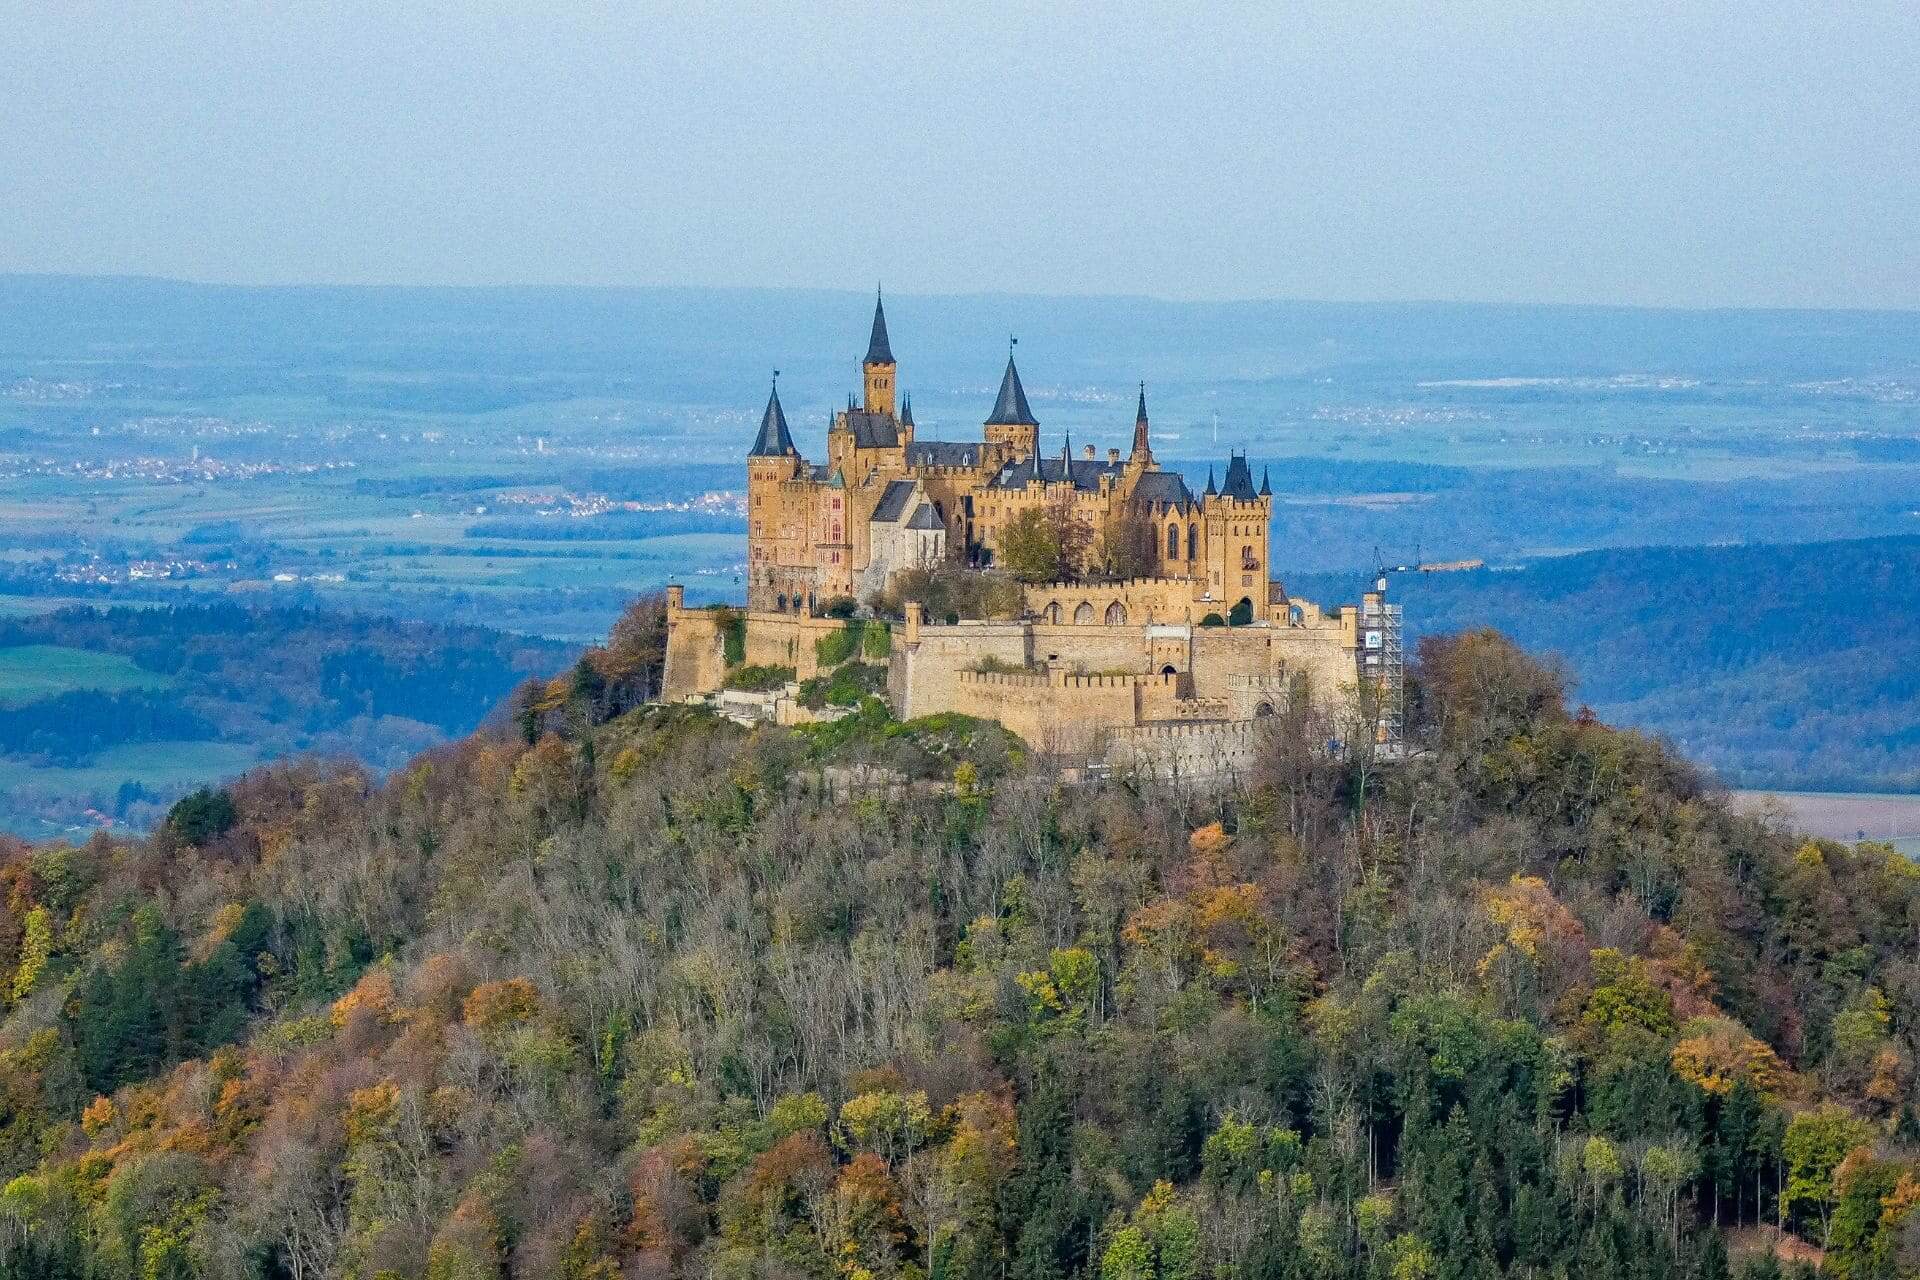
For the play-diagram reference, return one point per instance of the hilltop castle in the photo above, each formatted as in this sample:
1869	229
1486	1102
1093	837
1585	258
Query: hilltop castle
1199	637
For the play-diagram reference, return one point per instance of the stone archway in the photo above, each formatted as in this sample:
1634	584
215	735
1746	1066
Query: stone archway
1116	614
1083	615
1168	670
1263	710
1053	613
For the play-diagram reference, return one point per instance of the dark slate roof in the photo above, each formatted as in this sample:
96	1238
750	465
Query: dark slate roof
1163	486
1211	487
873	430
923	518
878	350
774	441
1010	409
1239	485
942	453
1266	486
906	412
893	501
1084	472
820	471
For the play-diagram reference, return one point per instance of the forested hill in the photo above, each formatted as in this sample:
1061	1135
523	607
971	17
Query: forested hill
639	993
1777	666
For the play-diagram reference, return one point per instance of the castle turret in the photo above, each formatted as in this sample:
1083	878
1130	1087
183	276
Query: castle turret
1142	455
774	440
878	366
1012	422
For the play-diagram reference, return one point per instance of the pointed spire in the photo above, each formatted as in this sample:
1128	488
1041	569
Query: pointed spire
878	349
1141	449
906	412
774	441
1211	489
1266	489
1010	409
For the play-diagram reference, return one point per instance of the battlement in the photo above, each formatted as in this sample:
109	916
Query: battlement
1198	731
1063	679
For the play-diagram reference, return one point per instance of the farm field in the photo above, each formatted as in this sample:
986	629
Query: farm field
158	767
31	672
1846	815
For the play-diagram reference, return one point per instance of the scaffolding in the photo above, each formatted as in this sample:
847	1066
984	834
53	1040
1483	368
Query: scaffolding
1383	662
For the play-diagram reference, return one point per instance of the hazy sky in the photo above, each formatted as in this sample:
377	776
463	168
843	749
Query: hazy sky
1696	154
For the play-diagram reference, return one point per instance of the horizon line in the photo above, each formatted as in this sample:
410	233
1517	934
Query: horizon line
8	275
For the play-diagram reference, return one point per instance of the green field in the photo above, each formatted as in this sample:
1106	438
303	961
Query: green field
31	672
161	767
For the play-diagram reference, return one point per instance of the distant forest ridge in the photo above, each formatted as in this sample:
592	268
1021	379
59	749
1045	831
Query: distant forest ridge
1790	666
689	343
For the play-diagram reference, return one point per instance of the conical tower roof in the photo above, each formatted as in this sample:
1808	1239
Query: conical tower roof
774	441
1010	409
906	412
879	351
1212	488
1266	487
1140	446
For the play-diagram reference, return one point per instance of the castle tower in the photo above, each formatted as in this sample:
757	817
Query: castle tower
1239	528
1012	422
771	463
1142	455
878	365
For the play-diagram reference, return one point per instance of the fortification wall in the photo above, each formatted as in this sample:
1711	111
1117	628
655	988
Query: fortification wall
696	645
1220	750
696	659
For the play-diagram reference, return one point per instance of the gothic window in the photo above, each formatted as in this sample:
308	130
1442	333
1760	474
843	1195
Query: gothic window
1246	558
1116	614
1193	542
1053	613
780	602
1083	616
1173	542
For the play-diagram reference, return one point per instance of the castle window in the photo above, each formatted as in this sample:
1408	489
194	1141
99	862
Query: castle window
780	602
1083	616
1173	542
1116	614
1193	541
1053	613
1247	560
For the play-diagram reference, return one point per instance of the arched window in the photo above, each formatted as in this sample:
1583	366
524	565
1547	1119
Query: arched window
1116	614
1263	710
1193	542
1168	670
1083	616
1173	542
1053	613
780	602
1246	558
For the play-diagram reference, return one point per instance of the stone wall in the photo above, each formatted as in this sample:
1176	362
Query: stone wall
1222	750
696	653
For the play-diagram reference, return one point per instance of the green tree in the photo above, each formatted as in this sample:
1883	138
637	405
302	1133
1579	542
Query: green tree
1816	1142
1029	549
204	815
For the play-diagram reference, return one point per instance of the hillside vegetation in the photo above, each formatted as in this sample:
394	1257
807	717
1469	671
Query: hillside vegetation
634	992
1776	666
